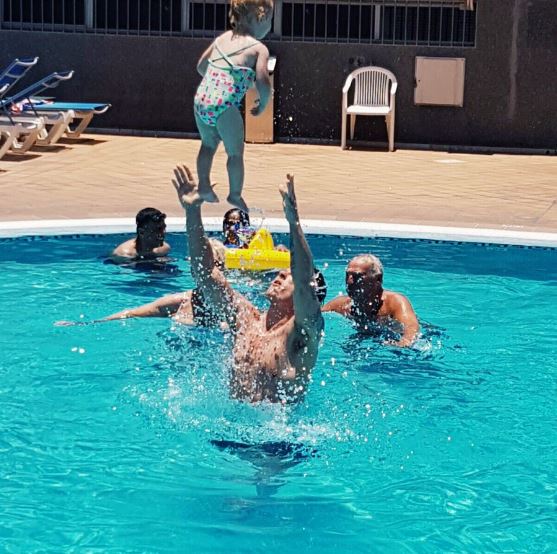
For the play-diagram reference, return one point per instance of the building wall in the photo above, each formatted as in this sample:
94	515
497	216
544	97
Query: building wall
510	95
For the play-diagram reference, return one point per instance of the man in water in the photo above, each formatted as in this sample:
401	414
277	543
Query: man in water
372	308
187	308
149	242
273	351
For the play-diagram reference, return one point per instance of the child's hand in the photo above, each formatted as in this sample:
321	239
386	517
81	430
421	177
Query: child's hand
257	109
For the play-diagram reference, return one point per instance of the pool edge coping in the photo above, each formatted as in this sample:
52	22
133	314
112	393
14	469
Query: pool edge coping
49	227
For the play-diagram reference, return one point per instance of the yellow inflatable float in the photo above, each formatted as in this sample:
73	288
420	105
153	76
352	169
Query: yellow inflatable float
260	255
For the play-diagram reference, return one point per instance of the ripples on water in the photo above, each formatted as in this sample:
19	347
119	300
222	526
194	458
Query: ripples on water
122	436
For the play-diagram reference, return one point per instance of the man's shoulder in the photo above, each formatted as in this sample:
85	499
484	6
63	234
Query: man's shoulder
162	250
125	250
394	300
340	304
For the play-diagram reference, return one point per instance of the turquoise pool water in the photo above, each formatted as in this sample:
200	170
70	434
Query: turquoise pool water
120	437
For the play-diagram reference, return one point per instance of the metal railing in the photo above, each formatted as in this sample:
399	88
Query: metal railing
395	22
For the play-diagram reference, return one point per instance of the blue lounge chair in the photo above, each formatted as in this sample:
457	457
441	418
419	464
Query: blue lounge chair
55	124
14	72
17	136
83	111
52	81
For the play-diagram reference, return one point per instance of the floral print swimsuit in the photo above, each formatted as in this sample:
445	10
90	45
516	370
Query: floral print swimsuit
222	87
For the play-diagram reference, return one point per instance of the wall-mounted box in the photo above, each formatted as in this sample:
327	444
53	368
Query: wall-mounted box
439	81
260	129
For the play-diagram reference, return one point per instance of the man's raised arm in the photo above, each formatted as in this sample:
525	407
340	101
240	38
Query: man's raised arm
307	309
208	278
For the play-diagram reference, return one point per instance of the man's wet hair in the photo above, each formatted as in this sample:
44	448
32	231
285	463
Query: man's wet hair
147	215
320	285
375	266
244	218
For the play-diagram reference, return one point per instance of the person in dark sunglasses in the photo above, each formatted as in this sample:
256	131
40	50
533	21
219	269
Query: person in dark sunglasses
373	309
238	232
235	222
149	243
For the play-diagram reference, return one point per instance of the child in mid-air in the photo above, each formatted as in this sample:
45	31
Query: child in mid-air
232	64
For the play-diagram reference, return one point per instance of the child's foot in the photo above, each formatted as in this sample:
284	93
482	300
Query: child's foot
238	202
207	194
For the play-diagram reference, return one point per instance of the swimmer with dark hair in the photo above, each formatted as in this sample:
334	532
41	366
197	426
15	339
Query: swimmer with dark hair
149	243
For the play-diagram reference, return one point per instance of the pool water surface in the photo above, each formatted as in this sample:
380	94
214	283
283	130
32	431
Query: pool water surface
121	436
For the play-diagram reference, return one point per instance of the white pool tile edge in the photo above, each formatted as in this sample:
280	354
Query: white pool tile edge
48	227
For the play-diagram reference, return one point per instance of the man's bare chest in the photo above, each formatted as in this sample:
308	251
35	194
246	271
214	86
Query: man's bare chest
263	350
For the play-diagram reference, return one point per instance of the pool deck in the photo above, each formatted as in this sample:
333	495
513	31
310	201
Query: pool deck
102	176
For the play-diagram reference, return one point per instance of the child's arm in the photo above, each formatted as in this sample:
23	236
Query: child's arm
204	61
262	80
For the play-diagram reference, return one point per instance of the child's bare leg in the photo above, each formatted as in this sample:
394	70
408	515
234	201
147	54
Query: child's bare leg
231	129
209	143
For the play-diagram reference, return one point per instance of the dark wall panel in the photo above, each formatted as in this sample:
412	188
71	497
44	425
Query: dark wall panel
510	86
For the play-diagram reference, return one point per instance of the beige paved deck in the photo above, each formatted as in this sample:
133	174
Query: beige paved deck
115	176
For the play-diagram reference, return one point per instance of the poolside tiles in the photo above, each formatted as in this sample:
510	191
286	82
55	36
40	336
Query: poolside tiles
115	176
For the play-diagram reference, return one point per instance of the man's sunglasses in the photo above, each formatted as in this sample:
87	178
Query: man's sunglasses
236	225
356	275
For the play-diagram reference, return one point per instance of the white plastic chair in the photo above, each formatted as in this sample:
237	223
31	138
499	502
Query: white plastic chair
374	94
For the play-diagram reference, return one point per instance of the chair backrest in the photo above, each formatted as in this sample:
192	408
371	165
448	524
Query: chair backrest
372	86
53	80
14	72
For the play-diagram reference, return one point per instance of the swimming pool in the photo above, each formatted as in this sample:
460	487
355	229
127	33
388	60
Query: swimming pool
121	437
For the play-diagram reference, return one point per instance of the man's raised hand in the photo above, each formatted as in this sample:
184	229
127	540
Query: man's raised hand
289	199
186	187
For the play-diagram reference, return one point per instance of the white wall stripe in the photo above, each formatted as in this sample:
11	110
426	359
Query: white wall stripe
311	226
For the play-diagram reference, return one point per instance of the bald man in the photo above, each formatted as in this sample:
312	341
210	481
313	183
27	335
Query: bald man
372	308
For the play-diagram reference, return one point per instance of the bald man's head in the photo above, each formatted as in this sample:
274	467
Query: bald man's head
364	276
